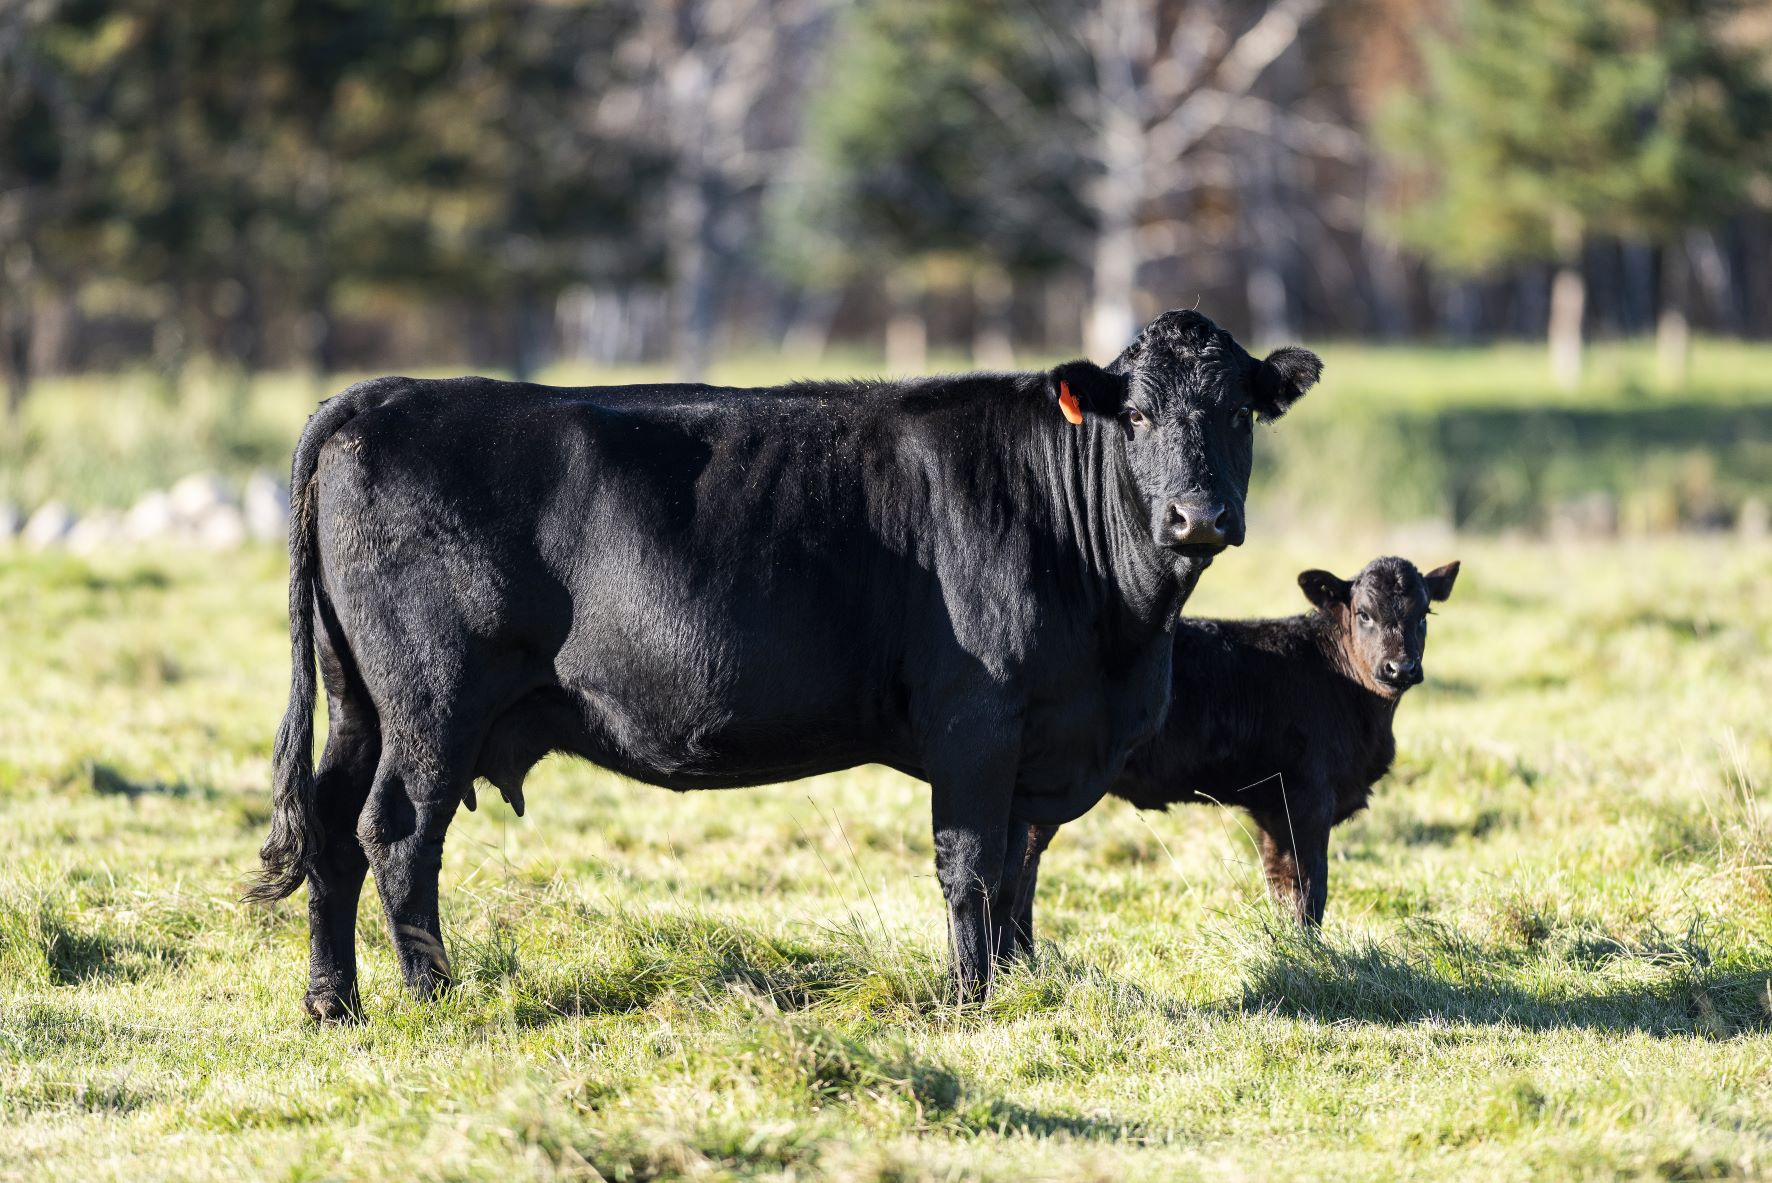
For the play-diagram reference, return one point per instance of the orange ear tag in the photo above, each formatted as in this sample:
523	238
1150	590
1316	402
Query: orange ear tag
1067	402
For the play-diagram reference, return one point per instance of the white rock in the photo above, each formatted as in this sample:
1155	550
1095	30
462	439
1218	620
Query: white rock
1755	519
48	526
222	528
194	496
150	519
96	531
10	521
266	504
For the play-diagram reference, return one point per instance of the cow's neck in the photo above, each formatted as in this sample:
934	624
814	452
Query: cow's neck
1145	584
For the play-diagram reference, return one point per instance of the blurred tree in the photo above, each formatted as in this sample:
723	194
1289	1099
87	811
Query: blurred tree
915	173
519	173
40	166
726	82
1544	121
1154	79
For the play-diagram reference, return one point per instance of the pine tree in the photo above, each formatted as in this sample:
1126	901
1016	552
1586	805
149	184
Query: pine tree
1545	121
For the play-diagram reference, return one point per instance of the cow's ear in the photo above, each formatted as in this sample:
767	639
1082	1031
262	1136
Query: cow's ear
1081	388
1325	590
1283	377
1440	580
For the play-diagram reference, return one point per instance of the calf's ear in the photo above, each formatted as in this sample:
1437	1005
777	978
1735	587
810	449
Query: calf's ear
1083	388
1324	589
1440	580
1283	377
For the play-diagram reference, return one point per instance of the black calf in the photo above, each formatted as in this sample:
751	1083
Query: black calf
1290	719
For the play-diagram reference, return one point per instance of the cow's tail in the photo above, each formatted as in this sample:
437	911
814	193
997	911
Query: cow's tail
294	842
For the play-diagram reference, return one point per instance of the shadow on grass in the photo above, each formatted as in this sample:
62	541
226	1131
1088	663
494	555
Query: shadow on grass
644	957
1456	981
108	781
37	937
1504	465
853	976
1663	463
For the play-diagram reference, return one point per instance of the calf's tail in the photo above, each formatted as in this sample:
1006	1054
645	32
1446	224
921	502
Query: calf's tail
295	837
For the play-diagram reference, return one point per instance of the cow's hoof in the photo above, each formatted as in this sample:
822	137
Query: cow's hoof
329	1006
429	983
424	964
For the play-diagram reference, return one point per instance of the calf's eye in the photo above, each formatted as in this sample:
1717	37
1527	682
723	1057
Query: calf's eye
1137	418
1362	617
1243	418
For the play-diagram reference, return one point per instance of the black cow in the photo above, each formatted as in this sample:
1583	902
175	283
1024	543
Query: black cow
971	579
1290	719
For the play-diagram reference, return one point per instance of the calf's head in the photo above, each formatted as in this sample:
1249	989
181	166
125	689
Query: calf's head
1182	401
1380	618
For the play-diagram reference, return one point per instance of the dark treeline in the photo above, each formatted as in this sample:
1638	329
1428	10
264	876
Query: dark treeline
353	184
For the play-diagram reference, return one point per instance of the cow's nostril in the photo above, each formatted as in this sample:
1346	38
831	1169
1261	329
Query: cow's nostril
1198	523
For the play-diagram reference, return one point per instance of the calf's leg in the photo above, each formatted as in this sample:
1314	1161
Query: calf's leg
1021	921
1294	845
1005	946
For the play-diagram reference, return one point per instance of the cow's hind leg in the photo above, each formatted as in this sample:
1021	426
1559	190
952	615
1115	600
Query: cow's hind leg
416	791
335	880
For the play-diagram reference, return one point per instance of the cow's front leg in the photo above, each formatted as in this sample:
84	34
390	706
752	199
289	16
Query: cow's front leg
971	794
1294	843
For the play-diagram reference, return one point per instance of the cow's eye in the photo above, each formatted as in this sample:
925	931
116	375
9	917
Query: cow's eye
1243	417
1137	418
1363	618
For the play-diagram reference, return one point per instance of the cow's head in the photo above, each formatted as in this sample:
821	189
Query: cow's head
1184	398
1380	618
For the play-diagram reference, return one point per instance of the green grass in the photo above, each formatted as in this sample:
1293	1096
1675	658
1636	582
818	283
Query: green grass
1547	956
1475	437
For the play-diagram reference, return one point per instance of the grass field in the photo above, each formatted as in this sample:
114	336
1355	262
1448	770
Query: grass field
1548	953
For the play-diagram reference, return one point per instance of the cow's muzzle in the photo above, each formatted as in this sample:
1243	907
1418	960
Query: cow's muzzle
1200	525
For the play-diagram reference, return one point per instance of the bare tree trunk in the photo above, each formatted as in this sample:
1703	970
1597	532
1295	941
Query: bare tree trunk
907	329
993	295
1116	194
1266	238
694	295
16	320
1567	305
1673	332
529	331
319	330
16	270
808	333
